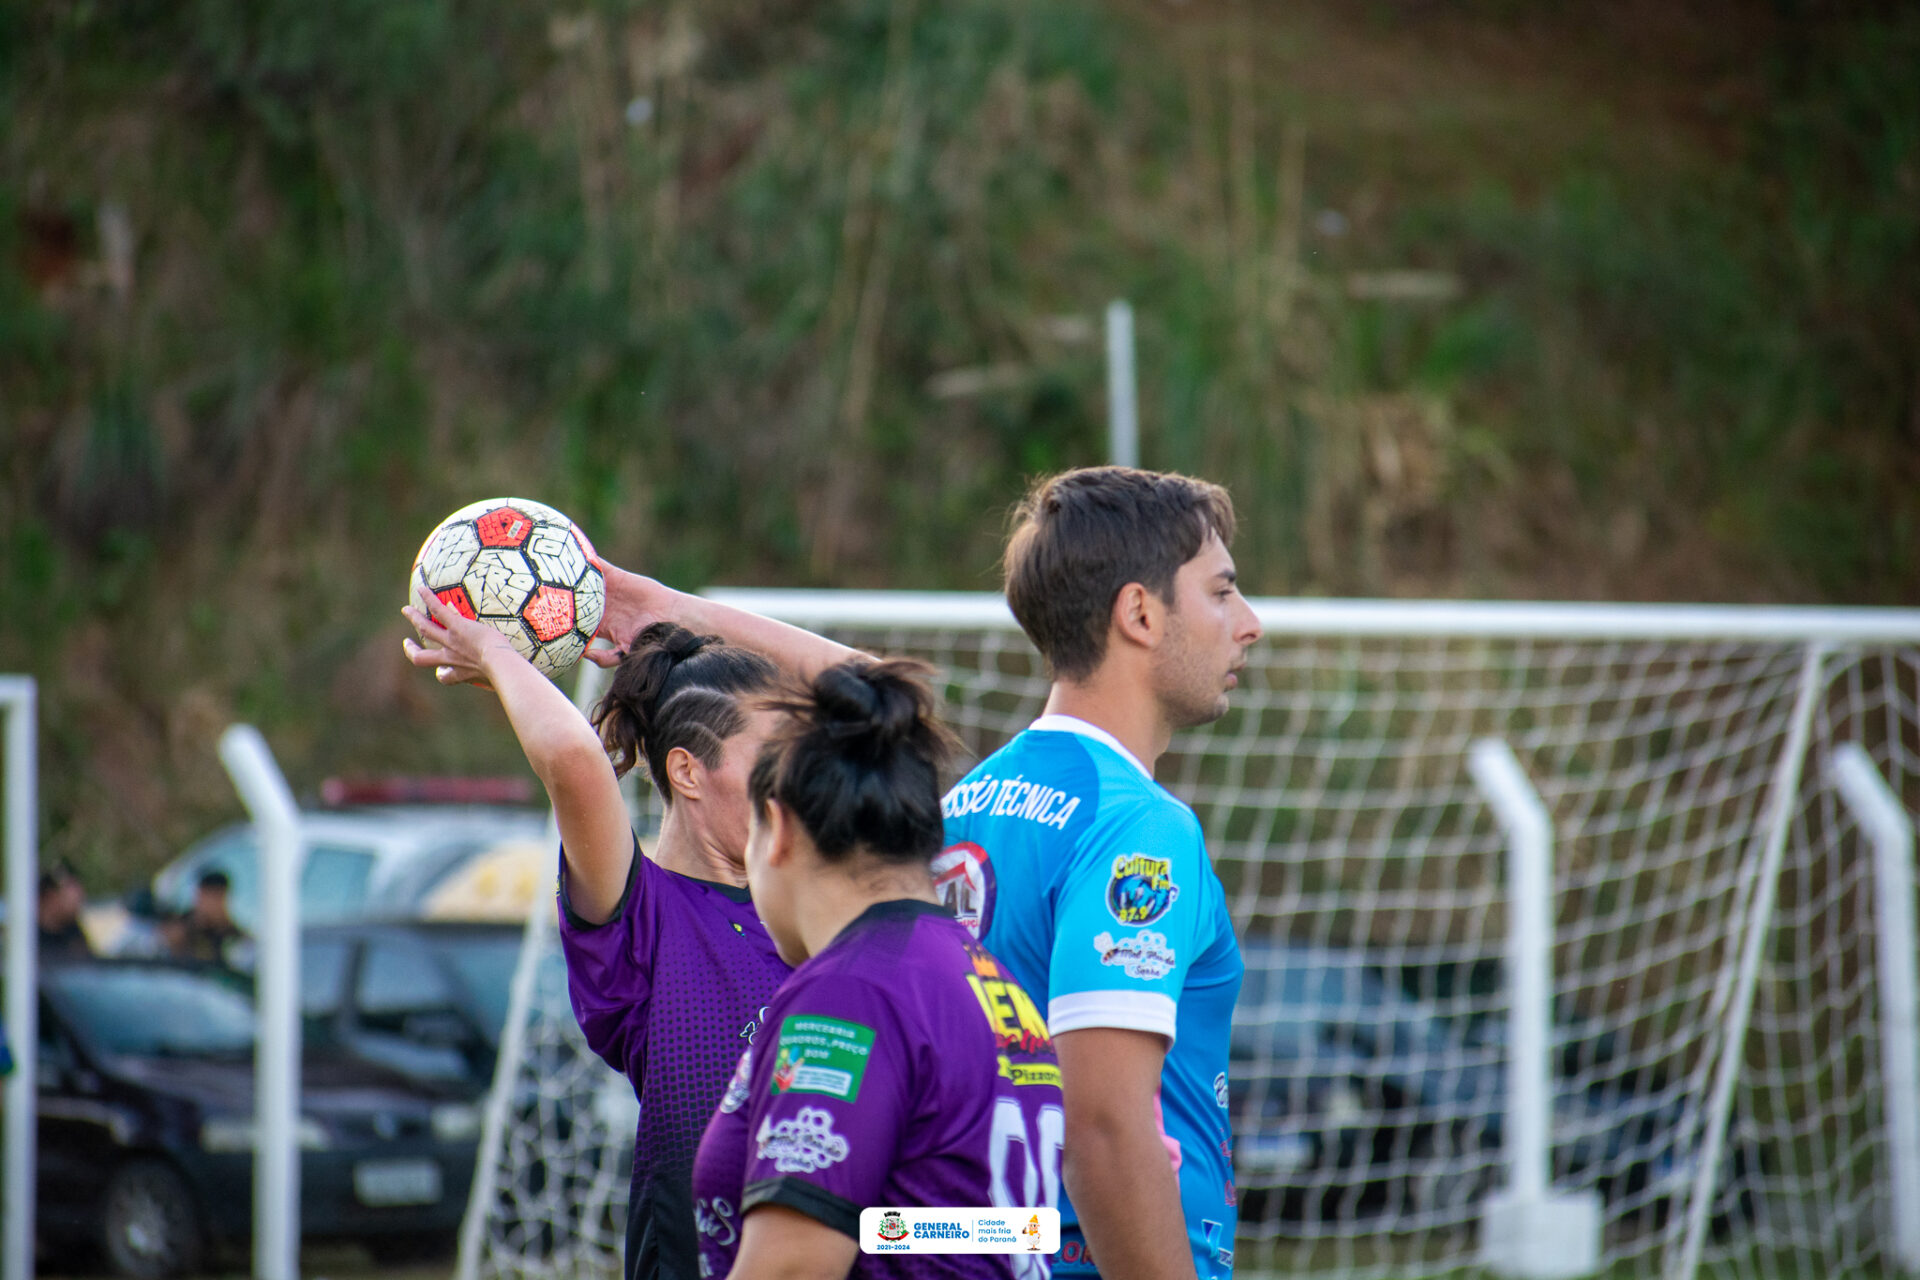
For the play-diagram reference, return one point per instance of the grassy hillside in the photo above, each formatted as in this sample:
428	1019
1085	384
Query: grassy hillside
1484	300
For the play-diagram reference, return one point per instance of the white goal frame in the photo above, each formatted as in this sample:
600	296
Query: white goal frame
1815	634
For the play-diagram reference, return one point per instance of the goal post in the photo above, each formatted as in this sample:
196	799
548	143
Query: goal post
1714	1055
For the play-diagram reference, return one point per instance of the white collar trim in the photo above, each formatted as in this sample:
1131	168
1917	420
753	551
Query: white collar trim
1054	722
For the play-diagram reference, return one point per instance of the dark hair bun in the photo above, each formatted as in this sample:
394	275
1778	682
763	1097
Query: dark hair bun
870	709
860	760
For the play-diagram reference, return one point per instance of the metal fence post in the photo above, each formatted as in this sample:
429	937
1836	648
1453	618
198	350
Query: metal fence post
19	699
276	1154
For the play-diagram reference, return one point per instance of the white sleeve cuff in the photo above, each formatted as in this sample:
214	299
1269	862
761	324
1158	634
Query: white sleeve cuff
1125	1010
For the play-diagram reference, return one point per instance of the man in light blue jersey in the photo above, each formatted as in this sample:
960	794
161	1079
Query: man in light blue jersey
1092	883
1089	881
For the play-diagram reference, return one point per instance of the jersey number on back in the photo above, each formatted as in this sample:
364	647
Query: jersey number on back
1026	1172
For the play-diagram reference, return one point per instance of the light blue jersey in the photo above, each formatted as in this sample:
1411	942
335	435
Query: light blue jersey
1092	884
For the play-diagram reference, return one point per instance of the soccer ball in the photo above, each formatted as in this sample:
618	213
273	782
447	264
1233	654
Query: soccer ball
522	568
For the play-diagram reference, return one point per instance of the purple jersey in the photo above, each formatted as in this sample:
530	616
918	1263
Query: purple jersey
901	1067
669	991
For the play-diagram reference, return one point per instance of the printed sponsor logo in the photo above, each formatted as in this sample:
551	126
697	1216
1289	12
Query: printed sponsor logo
892	1226
1220	1090
1020	1073
753	1025
737	1087
1013	797
963	878
821	1055
1145	955
806	1143
1016	1021
1141	889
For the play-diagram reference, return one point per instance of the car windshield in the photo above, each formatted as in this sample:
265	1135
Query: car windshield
154	1012
484	963
1295	998
333	879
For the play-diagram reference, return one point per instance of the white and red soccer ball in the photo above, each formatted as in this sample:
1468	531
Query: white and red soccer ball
522	568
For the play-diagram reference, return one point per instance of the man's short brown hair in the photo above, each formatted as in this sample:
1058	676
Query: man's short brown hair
1080	536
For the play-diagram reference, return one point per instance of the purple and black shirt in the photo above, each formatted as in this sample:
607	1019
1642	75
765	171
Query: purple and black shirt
669	991
902	1067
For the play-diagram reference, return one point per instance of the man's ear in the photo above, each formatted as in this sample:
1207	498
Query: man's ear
1139	615
685	774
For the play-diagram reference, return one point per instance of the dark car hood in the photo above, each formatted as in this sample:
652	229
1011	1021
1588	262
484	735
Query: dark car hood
327	1084
217	1083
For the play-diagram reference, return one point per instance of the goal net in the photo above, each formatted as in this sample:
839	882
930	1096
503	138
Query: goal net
1728	1055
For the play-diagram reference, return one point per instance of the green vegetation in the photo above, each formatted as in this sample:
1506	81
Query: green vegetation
1475	300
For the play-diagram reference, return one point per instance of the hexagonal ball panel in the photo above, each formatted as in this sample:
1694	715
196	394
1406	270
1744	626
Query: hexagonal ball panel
447	555
500	582
562	653
556	556
516	631
456	598
549	613
589	602
504	527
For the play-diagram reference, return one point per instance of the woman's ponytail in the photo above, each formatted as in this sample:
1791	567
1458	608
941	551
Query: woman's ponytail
677	689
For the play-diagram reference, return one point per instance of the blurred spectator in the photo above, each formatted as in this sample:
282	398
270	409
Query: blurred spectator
62	899
204	932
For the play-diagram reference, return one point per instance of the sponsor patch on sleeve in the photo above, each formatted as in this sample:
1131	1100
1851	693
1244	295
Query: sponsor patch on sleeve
1140	889
821	1055
1145	955
805	1143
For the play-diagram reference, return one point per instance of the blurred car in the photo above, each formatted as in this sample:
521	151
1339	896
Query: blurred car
1342	1089
371	860
427	999
500	885
1620	1122
146	1128
1351	1097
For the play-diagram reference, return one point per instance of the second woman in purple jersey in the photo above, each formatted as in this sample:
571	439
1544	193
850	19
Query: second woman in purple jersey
668	967
899	1065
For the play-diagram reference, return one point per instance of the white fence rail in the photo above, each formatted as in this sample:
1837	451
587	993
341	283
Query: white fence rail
19	704
276	1156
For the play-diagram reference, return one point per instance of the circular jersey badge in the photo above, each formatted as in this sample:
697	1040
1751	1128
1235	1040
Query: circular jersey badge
963	878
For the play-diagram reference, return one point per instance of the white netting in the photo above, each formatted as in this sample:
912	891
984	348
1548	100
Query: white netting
565	1155
556	1158
1367	875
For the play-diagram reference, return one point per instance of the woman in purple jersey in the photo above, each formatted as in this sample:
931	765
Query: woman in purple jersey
668	967
899	1066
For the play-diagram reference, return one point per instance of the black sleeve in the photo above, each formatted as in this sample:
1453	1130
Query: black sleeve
574	922
804	1197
